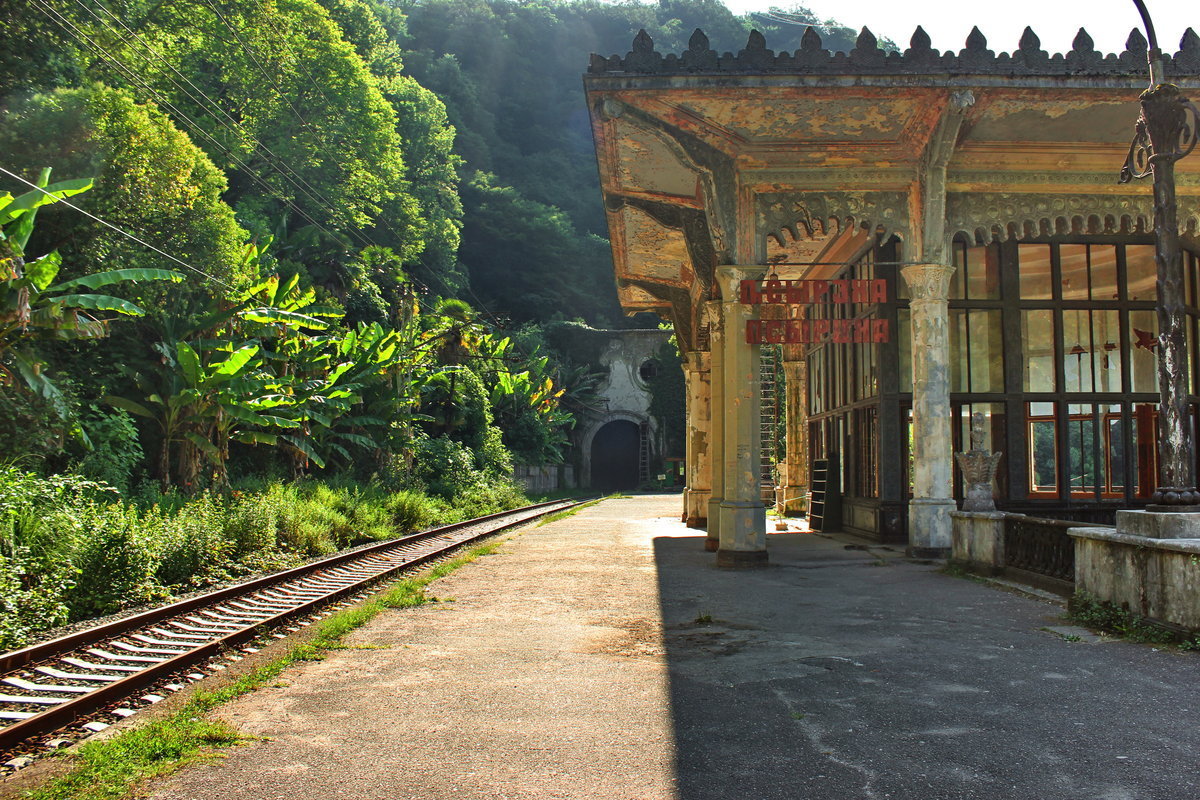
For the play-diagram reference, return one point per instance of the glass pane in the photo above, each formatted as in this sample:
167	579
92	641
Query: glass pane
1106	351
1043	448
1145	456
1037	331
1141	273
1081	449
1114	449
904	348
1035	274
986	352
1073	264
959	356
1190	279
1143	351
1104	272
983	272
960	270
1077	360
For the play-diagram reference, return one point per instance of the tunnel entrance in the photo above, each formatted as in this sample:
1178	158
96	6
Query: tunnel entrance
615	456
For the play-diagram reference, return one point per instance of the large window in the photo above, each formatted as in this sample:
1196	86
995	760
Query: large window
1086	371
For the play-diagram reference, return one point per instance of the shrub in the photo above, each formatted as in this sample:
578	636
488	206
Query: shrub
116	564
116	455
409	511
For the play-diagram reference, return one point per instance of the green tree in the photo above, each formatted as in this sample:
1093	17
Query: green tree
34	306
149	179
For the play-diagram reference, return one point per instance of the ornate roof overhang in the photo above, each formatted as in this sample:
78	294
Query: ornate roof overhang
804	156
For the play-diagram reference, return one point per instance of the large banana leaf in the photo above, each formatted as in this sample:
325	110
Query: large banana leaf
128	405
305	448
98	279
42	271
13	207
98	302
237	361
189	363
255	437
271	316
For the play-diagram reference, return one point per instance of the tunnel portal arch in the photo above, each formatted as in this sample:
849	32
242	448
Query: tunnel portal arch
612	449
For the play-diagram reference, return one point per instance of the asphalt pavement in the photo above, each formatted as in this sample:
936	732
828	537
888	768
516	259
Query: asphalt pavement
603	656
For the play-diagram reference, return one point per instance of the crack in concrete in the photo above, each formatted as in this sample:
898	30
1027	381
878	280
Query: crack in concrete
814	737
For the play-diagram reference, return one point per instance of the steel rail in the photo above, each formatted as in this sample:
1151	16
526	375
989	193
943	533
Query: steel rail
94	699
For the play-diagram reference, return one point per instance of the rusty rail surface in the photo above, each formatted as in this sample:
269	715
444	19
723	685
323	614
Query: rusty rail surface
53	684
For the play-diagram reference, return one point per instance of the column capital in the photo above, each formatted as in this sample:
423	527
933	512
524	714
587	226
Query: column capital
928	281
730	277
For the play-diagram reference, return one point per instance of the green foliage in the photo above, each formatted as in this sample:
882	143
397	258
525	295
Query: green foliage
667	393
116	457
1108	617
70	550
149	178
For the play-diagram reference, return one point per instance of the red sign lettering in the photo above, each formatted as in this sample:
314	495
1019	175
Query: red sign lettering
805	292
804	331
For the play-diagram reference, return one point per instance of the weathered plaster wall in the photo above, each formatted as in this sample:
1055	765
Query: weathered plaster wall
1155	578
624	394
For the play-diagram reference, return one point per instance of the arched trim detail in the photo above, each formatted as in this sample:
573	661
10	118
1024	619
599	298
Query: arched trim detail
594	426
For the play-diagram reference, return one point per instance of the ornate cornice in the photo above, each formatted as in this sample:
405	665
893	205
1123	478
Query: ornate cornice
1029	59
822	214
1049	178
1010	215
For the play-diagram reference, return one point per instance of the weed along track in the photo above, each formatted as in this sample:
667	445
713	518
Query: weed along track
86	680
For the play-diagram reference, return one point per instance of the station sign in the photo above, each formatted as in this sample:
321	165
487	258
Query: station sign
805	292
815	331
815	292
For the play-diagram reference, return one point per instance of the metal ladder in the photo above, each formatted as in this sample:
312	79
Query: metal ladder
644	453
768	419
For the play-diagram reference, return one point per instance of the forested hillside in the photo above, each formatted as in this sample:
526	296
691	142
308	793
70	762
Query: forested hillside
276	275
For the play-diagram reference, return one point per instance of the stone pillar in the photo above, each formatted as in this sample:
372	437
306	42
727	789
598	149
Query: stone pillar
929	522
743	527
716	433
699	472
793	483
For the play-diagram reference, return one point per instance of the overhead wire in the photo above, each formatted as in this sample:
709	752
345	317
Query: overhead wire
235	127
301	185
119	230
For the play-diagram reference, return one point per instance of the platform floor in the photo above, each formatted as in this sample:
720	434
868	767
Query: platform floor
604	657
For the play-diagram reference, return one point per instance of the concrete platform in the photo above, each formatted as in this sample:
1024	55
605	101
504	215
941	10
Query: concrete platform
603	656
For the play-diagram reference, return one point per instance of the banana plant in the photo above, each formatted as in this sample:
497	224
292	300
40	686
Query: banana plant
201	400
33	306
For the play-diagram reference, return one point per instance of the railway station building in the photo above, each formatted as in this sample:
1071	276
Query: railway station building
860	250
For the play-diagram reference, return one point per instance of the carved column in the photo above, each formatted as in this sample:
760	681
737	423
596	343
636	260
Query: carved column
716	434
699	418
743	526
929	510
793	484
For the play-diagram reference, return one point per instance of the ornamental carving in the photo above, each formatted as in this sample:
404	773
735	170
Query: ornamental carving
1008	215
790	217
978	467
920	58
928	281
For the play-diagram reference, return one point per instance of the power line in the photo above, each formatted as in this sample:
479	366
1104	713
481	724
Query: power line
121	231
297	181
234	126
136	79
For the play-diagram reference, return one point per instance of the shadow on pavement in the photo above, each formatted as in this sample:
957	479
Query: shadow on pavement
851	673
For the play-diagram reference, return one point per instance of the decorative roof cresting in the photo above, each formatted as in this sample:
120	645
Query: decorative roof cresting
866	57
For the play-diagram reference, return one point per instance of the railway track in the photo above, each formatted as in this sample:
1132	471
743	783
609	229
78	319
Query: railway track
103	671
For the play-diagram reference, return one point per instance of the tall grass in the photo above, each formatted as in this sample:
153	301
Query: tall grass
72	549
